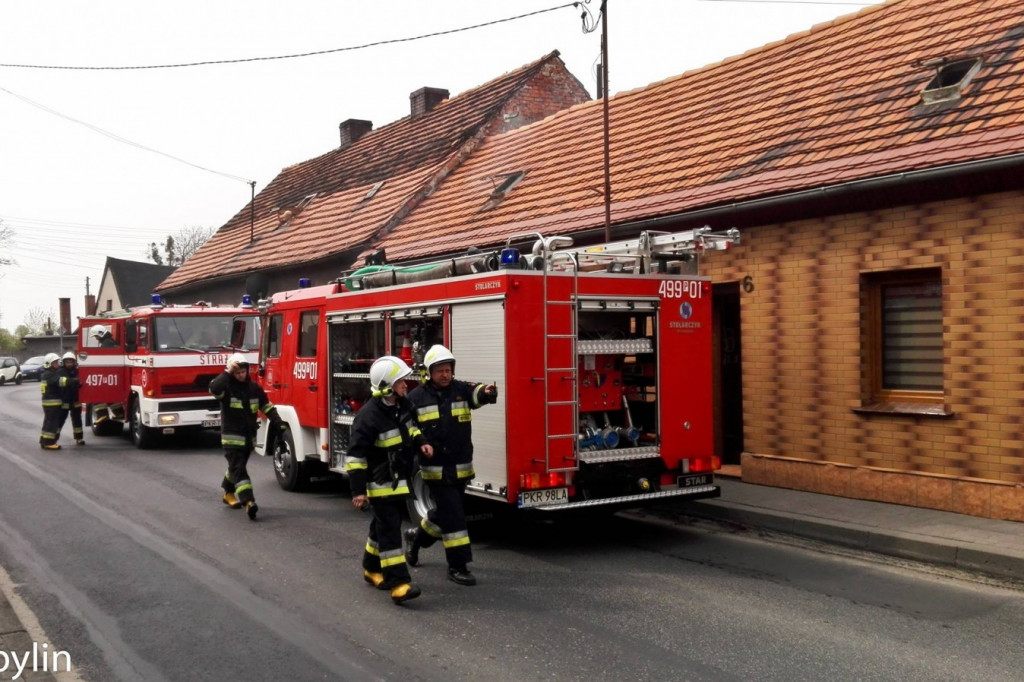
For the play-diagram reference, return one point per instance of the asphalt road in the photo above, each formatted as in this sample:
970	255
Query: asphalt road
133	566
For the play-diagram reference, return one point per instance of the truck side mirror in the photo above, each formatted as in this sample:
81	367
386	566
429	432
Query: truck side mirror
130	330
238	333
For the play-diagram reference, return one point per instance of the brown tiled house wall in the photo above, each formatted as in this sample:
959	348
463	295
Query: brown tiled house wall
802	359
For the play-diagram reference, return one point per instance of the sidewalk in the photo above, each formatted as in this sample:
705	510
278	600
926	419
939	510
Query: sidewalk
16	641
968	543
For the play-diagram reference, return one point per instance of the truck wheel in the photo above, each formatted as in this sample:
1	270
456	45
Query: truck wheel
288	470
143	436
420	502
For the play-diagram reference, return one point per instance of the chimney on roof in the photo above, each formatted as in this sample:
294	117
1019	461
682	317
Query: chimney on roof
65	315
90	304
425	99
352	129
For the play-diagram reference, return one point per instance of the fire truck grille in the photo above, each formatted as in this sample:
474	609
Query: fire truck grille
183	405
201	384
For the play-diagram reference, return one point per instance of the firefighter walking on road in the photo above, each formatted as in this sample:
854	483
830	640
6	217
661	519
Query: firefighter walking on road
53	398
240	398
70	404
444	408
379	462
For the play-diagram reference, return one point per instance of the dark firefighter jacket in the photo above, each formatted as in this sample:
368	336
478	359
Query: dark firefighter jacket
239	403
381	448
51	385
445	417
70	383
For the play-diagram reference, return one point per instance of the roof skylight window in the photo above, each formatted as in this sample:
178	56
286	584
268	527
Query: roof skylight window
500	191
951	79
511	180
373	190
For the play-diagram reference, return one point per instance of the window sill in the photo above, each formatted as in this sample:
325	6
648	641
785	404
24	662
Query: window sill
908	409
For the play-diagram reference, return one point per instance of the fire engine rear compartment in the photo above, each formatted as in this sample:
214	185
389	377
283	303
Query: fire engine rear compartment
585	367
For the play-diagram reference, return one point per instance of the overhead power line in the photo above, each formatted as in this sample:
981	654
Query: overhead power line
292	56
123	140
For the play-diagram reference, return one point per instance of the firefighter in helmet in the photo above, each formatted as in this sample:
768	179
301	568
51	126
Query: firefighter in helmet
70	404
444	408
240	398
53	398
383	441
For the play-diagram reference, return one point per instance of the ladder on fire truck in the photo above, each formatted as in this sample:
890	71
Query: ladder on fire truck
556	255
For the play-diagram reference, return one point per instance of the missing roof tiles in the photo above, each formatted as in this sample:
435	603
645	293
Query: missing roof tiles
950	79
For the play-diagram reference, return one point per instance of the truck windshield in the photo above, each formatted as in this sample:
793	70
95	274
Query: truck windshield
204	333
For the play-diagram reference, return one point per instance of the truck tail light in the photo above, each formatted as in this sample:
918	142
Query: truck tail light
698	464
554	479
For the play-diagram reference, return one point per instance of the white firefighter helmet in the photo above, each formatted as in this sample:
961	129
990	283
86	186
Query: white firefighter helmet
69	356
385	372
239	359
99	331
438	354
50	358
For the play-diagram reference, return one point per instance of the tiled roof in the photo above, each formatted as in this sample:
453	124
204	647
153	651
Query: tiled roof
836	104
325	193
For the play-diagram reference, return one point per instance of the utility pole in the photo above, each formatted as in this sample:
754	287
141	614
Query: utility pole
607	155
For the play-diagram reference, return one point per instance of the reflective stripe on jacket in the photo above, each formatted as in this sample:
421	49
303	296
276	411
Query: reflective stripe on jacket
445	416
381	447
240	403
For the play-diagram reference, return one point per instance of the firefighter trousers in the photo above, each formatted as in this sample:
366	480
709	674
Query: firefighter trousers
75	412
53	419
447	522
236	478
383	553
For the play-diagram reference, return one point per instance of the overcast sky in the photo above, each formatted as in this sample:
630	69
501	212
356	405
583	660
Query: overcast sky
86	167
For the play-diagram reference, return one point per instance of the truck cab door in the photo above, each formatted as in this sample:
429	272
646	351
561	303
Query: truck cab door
271	372
102	366
309	387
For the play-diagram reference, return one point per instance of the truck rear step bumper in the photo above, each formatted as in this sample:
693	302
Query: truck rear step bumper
628	501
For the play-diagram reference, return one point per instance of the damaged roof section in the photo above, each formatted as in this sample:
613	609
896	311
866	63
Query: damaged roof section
361	189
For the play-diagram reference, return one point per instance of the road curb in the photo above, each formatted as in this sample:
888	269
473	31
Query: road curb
21	634
938	551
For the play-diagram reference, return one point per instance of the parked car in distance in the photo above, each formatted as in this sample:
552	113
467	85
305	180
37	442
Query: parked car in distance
32	369
9	371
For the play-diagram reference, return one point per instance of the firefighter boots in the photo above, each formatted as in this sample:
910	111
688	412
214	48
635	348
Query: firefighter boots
412	550
404	593
50	446
80	441
251	509
231	501
375	579
461	576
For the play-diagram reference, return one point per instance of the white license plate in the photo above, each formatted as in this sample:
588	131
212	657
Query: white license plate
211	423
535	498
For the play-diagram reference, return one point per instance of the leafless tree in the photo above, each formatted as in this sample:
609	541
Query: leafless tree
6	242
38	321
178	248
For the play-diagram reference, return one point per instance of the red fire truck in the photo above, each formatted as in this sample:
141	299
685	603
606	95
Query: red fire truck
602	356
151	366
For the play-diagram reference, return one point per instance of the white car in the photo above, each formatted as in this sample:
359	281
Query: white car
9	371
